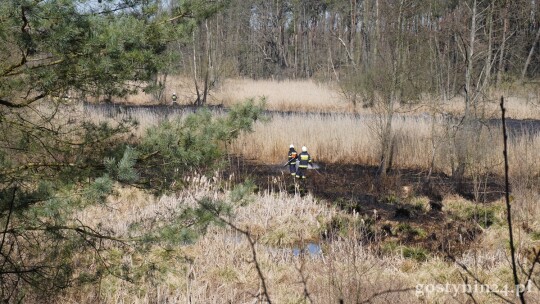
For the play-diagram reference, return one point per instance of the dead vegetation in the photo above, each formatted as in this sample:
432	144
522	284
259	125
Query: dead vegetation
309	248
372	240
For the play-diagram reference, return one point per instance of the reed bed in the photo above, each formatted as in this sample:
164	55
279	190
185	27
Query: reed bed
219	267
419	141
288	95
312	96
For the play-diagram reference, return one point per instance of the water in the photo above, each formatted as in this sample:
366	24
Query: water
312	249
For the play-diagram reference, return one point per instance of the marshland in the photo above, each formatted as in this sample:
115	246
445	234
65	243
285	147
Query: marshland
144	145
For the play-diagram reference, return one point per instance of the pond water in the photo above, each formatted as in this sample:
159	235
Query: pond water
312	249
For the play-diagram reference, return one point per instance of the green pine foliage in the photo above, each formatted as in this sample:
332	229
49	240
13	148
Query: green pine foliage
189	224
240	195
124	169
194	144
99	189
53	162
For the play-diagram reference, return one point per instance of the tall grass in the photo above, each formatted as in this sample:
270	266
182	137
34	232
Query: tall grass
419	139
351	139
311	96
288	95
218	267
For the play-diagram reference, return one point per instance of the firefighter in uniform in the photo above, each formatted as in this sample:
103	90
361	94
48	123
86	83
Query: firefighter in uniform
293	156
305	160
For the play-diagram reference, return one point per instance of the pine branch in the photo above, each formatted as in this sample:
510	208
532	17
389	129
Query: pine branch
10	104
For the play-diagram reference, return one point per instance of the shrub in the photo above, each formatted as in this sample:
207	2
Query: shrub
410	231
415	253
485	215
195	143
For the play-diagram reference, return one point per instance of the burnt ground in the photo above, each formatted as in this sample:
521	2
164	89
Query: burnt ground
356	188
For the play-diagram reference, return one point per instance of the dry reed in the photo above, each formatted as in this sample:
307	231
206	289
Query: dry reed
310	96
219	266
348	138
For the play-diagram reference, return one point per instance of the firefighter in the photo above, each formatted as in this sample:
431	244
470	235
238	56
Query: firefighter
293	156
305	160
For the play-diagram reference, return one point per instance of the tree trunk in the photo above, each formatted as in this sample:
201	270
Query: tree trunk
488	64
208	64
503	44
352	29
395	95
531	52
462	138
469	69
377	34
386	146
195	80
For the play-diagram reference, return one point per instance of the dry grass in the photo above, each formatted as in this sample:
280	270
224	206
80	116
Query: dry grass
289	95
335	137
218	268
347	139
310	96
526	106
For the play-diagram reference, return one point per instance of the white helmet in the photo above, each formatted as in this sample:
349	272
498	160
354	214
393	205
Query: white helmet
291	146
304	149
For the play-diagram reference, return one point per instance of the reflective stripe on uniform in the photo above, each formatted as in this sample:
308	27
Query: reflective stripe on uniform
303	161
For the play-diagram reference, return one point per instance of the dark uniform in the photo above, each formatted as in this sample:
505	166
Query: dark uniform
305	160
292	161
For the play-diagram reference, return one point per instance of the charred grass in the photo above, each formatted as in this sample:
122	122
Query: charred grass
402	208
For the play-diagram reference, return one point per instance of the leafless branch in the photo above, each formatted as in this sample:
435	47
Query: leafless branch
252	244
508	206
385	292
476	279
84	230
10	104
11	204
303	278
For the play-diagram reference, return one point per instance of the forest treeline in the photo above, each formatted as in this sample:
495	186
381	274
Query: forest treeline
430	44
